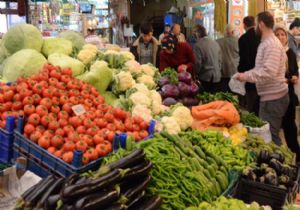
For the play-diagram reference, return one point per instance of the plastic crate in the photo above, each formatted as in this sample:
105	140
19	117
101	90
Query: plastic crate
6	140
43	159
265	194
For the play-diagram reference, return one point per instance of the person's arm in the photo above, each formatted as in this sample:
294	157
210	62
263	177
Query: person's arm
292	74
163	61
191	57
198	58
272	60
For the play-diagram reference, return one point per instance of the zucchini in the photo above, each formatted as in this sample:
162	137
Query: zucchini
97	200
77	190
151	203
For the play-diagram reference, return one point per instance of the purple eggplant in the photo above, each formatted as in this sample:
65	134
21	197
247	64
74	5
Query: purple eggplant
169	101
164	81
185	77
184	89
194	89
188	101
170	91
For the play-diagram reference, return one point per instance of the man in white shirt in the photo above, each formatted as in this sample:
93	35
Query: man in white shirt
176	30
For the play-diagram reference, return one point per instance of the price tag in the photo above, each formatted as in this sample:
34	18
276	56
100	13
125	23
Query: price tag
78	109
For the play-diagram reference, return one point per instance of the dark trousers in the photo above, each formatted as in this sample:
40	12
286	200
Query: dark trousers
289	127
211	87
252	101
225	85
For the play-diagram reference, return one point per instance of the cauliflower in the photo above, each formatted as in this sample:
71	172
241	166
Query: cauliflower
127	55
124	81
140	98
140	87
148	69
86	56
142	111
155	96
156	107
90	47
170	125
183	117
133	67
147	80
109	52
156	102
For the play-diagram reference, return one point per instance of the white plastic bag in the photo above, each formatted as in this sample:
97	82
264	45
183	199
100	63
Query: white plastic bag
236	86
263	131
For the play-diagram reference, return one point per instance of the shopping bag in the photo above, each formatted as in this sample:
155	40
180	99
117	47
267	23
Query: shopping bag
263	131
237	86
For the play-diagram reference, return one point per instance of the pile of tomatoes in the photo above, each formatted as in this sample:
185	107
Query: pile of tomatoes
46	100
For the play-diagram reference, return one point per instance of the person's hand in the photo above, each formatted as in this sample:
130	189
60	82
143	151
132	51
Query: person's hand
182	68
240	77
294	79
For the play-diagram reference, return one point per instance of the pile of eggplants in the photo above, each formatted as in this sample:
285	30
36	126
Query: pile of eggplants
270	169
120	185
178	87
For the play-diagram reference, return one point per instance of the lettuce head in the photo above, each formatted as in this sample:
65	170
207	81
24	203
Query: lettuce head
76	38
23	63
57	45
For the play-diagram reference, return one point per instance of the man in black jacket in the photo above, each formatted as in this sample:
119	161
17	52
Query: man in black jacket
248	44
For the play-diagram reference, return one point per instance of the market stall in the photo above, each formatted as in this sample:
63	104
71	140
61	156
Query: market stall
105	132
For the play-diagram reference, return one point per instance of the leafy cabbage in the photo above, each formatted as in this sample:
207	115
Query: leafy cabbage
65	61
23	63
76	38
57	45
23	36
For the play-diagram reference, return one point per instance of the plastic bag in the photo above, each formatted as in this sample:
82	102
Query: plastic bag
263	131
236	86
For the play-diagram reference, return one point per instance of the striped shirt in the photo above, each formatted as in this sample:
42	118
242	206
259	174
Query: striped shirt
269	71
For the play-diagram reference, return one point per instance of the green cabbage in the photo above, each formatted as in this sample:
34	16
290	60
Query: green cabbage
65	61
57	45
75	37
23	63
23	36
110	98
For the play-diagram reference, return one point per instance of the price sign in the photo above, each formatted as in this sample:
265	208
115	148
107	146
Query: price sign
78	109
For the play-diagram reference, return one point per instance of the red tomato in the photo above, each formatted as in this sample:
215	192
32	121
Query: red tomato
63	99
89	140
88	123
60	132
58	153
68	157
49	133
44	142
61	85
34	119
63	115
102	150
53	125
75	121
8	95
21	85
136	127
36	99
143	134
56	74
91	115
92	131
46	102
35	136
65	78
110	136
120	127
29	109
98	100
119	113
29	128
108	117
16	97
37	88
85	159
8	105
71	84
2	108
144	125
73	136
40	128
88	102
31	83
111	127
69	146
55	109
94	91
53	116
81	129
67	71
68	128
99	113
98	138
93	154
53	81
57	141
136	136
47	93
74	92
81	145
41	110
62	122
67	107
51	150
55	101
2	98
74	100
17	105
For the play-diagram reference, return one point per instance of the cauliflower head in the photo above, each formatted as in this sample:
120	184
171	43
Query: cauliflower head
127	55
133	67
183	117
142	111
140	98
148	69
140	87
124	81
90	47
147	80
170	125
86	56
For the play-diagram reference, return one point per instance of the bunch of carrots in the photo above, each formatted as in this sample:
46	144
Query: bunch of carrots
216	113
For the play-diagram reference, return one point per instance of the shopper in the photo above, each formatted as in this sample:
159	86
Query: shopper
92	38
289	124
176	29
293	32
176	54
269	76
146	48
208	60
248	44
230	55
167	30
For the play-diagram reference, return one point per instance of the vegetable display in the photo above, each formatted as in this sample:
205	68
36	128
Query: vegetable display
112	189
47	100
178	87
220	96
251	120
